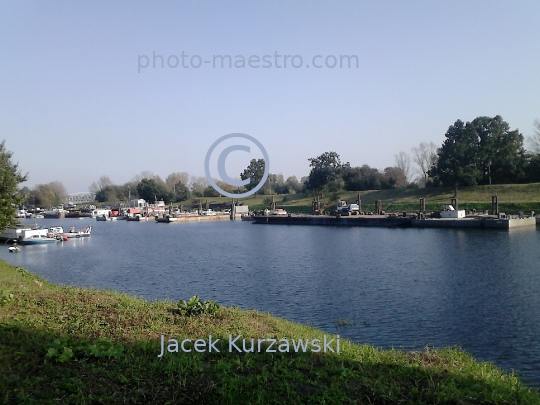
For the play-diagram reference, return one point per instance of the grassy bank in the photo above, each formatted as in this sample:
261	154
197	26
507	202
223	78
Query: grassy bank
79	346
512	198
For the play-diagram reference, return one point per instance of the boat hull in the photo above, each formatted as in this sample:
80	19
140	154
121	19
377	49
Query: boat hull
40	241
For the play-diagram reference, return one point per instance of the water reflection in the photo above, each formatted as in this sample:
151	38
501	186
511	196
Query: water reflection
401	287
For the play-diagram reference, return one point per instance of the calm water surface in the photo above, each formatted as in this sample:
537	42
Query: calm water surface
477	289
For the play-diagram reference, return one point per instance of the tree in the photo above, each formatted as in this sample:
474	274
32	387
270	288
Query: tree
180	192
324	169
394	178
532	170
145	174
210	192
103	182
113	194
50	194
152	189
483	151
174	178
403	163
293	185
361	178
500	151
198	184
425	156
534	140
457	160
10	178
254	172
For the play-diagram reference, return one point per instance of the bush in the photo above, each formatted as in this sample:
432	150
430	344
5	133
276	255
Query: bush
195	306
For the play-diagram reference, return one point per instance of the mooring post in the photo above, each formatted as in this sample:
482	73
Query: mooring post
316	204
378	207
359	202
495	205
455	202
273	204
422	204
233	211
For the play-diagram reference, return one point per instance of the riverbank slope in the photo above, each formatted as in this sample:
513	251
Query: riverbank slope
73	345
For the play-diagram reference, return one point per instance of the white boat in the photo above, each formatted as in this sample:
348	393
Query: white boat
247	217
14	233
81	233
14	249
167	218
37	237
278	212
105	218
448	211
20	214
99	212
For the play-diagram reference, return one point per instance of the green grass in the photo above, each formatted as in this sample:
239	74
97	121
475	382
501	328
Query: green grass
512	198
80	346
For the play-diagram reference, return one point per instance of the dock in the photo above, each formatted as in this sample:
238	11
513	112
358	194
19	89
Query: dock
391	221
195	218
327	220
480	222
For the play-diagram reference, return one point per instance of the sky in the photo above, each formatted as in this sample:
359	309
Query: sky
96	88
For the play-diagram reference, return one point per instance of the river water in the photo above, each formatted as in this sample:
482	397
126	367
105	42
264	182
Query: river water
403	288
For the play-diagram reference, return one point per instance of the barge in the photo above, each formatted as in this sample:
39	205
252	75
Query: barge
390	221
327	220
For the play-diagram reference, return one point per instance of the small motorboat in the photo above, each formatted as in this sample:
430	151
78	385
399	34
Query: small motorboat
14	249
81	233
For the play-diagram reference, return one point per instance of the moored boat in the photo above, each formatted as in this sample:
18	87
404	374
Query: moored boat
14	233
81	233
55	212
37	237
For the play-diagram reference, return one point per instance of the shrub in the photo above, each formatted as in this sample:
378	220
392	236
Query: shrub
195	306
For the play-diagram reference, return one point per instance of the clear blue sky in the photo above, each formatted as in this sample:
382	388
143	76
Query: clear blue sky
73	105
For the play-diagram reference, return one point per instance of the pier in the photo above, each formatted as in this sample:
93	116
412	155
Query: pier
391	221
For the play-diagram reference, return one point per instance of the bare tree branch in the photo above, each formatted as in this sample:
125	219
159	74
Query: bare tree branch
534	140
403	163
425	157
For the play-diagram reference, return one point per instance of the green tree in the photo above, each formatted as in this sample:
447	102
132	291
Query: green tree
254	172
152	189
457	163
10	178
112	194
325	168
180	192
362	178
483	151
210	192
500	151
292	185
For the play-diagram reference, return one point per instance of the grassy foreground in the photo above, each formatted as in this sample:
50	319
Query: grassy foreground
66	345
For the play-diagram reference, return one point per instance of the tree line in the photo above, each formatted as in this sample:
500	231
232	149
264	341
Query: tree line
483	151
